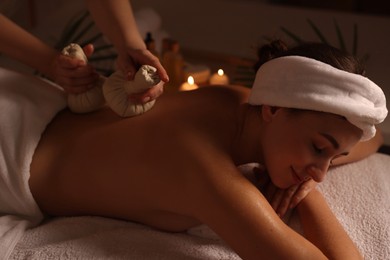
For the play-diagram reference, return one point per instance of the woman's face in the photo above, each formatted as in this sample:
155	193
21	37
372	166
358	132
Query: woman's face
298	145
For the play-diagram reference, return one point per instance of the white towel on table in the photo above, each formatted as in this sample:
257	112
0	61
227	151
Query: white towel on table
27	105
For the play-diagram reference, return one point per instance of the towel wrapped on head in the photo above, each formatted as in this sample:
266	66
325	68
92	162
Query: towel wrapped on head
305	83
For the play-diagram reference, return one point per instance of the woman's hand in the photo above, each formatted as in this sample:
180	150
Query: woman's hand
130	61
282	200
74	75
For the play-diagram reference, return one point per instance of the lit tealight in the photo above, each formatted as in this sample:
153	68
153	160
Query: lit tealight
219	78
189	85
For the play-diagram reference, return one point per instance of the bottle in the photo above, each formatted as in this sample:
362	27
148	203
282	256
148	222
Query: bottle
166	46
151	44
173	63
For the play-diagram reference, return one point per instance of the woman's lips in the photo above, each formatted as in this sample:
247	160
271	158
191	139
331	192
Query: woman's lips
295	176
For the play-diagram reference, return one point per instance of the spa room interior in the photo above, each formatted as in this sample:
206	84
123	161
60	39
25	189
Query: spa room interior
216	44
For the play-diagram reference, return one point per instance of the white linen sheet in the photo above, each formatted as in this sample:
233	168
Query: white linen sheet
27	105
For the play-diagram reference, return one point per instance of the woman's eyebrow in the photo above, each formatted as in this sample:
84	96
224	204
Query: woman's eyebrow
332	140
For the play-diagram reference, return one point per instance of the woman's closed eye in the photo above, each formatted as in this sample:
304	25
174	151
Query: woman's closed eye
317	149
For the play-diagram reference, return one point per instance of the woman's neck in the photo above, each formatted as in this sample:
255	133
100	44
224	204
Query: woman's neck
247	146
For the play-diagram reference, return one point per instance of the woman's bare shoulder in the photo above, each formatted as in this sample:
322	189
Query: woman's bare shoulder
232	89
230	93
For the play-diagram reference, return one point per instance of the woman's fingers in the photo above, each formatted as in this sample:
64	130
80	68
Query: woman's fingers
285	201
270	191
301	193
282	200
276	199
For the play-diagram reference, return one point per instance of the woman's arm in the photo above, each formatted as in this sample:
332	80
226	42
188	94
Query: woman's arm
237	211
322	228
361	150
241	216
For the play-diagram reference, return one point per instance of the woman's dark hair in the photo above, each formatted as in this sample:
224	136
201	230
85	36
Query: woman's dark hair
318	51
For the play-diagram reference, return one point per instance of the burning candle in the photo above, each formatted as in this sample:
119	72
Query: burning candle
219	78
189	85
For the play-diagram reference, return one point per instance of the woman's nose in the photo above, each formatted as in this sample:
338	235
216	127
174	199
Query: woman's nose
318	171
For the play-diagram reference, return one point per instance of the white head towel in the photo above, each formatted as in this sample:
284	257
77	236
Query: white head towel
305	83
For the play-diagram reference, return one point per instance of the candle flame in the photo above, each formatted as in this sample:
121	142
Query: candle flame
220	72
191	80
189	85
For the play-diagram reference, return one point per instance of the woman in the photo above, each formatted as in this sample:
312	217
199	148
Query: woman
176	166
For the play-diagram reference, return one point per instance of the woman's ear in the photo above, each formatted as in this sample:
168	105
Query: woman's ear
269	112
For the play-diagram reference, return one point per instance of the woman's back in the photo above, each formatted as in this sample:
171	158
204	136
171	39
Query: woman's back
148	155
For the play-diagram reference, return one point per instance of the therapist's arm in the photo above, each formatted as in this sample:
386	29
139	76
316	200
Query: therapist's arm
19	44
75	76
116	20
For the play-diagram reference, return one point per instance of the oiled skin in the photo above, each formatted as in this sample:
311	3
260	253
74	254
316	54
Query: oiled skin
175	167
132	168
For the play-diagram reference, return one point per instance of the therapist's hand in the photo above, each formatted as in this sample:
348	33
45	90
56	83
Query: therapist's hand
73	75
130	61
